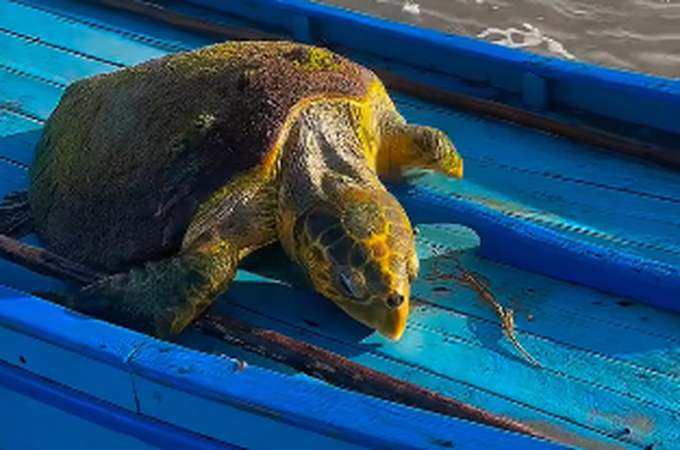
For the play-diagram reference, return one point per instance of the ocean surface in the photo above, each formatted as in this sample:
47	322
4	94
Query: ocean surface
636	35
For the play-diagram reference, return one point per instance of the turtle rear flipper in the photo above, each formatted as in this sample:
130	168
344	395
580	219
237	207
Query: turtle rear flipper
15	215
163	296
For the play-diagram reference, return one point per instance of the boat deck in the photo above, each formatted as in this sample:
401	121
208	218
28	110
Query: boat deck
611	376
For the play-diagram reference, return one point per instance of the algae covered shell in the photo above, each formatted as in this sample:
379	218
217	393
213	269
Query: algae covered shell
153	141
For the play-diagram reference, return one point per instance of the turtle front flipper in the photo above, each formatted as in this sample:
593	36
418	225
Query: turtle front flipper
15	215
407	146
162	297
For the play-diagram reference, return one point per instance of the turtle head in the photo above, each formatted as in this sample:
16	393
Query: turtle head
358	248
431	148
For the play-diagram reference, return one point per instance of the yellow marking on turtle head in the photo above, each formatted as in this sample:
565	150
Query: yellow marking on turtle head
358	249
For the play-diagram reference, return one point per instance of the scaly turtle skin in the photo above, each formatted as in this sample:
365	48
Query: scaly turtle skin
168	173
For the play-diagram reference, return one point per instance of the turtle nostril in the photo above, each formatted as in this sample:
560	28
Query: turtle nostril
394	300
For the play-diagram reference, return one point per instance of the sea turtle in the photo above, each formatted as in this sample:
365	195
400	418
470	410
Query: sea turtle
169	172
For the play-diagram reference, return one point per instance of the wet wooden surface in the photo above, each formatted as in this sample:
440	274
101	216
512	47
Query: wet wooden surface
611	366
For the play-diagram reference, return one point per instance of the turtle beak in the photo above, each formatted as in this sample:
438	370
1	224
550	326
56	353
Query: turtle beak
389	321
393	323
457	171
453	167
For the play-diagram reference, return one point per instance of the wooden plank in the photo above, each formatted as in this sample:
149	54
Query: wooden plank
21	92
645	223
566	431
206	416
129	26
28	19
329	409
49	426
35	54
89	376
590	166
18	134
555	302
590	434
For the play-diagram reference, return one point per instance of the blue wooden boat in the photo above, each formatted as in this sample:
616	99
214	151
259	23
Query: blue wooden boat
571	191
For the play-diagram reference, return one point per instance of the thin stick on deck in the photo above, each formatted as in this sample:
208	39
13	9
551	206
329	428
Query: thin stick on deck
311	360
484	292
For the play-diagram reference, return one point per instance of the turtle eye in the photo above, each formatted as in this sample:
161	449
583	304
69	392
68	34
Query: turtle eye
394	300
348	285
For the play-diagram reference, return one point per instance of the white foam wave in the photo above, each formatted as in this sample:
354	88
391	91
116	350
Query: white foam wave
411	8
528	37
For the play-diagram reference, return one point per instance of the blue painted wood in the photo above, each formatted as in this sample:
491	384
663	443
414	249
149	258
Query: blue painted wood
605	365
326	414
303	29
18	135
535	91
91	358
31	424
79	351
38	413
613	240
588	379
91	17
534	247
339	327
182	386
36	60
31	20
